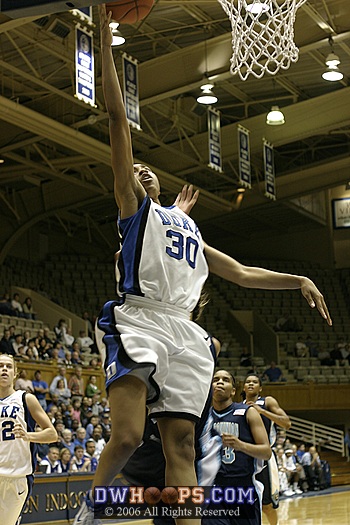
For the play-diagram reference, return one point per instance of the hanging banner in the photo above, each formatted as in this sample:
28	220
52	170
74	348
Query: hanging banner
214	139
84	13
269	170
84	66
245	176
131	91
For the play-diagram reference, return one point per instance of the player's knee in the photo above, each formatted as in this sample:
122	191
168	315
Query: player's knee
124	445
183	447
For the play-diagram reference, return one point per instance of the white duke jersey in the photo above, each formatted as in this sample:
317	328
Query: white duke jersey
17	455
162	256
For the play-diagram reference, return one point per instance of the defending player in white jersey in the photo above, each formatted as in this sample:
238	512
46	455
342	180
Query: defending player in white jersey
154	353
19	411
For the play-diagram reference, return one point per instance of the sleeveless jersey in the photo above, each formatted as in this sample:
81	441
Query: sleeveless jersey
236	467
269	425
17	455
162	256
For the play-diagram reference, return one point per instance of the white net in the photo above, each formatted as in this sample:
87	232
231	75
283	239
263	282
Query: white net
262	35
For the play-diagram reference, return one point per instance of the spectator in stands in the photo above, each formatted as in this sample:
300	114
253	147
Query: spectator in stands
273	373
46	336
65	459
300	348
28	310
312	346
6	345
282	473
287	323
23	383
347	439
106	424
59	426
60	330
94	421
68	416
5	305
85	342
44	350
95	404
293	475
245	357
103	405
90	454
74	427
51	464
95	363
313	469
81	437
67	440
77	409
68	339
302	476
32	347
22	354
53	403
76	357
41	388
16	305
91	387
64	394
79	462
301	451
99	441
17	343
85	407
76	383
62	371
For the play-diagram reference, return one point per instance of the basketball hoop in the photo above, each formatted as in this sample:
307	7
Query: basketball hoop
262	35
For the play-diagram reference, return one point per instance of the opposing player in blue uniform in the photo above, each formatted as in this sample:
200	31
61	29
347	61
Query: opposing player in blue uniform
244	441
272	414
19	411
154	353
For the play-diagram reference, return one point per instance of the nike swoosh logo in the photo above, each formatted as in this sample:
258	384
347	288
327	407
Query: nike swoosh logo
207	338
20	493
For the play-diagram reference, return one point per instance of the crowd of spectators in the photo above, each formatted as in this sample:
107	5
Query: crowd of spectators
300	468
80	416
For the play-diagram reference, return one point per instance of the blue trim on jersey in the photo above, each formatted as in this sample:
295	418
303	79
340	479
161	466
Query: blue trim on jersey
30	428
118	363
130	256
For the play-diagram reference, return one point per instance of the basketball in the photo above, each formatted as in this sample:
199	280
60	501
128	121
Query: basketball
169	495
152	495
129	11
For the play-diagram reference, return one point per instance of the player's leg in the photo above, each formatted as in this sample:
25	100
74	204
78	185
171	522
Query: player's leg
13	494
271	514
127	400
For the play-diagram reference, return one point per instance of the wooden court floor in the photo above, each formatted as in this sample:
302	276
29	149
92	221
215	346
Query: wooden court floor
327	509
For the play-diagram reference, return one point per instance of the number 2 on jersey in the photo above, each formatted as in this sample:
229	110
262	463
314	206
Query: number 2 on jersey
7	430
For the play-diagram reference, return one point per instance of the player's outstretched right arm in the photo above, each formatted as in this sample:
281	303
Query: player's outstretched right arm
127	190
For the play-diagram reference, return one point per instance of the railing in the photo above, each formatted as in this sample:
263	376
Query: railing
322	435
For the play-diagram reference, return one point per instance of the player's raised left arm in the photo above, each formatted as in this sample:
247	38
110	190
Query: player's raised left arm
48	433
254	277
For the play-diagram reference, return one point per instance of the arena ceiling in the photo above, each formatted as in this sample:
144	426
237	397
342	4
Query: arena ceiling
57	171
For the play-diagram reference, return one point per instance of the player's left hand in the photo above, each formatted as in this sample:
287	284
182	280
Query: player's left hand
229	440
19	432
314	297
186	199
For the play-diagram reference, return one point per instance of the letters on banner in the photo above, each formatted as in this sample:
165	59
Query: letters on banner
131	91
84	66
245	175
269	170
214	139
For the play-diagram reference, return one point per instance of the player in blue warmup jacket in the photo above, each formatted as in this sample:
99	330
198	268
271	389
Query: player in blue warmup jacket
154	353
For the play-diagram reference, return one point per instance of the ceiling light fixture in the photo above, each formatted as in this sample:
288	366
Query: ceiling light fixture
118	39
257	7
275	117
207	96
332	73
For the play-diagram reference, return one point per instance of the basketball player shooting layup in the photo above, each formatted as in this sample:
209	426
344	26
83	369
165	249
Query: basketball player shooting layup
154	352
19	411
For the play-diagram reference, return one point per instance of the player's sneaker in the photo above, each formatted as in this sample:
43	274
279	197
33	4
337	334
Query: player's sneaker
298	491
85	515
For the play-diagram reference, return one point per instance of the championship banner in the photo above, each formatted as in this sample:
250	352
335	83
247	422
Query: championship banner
131	91
245	176
214	139
84	13
269	170
84	66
